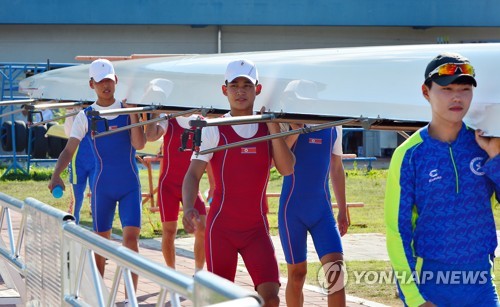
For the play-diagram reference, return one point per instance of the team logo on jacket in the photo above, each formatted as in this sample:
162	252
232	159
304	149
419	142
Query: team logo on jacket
315	141
248	150
434	175
476	166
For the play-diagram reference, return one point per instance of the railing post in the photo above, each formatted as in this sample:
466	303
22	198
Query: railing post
46	274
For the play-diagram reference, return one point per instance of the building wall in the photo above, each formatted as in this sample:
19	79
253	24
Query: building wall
423	13
61	43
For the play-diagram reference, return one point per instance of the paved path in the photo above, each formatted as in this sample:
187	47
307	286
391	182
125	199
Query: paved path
369	246
356	246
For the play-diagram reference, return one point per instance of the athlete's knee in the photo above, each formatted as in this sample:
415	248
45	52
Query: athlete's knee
331	257
297	274
131	236
272	301
169	231
296	281
269	293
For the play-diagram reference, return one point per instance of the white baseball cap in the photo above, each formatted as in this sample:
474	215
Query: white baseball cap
101	69
241	68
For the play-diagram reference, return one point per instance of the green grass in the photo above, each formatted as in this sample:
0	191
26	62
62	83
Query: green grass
361	186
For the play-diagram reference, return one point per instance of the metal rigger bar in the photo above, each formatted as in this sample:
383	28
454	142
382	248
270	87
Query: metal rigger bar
14	102
279	135
144	123
239	120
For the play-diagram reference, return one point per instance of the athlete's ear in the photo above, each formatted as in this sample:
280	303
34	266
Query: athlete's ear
224	89
258	89
425	91
91	83
116	79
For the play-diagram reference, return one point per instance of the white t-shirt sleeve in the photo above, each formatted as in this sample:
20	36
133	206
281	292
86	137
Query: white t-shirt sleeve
209	140
337	147
163	123
68	122
210	137
183	121
80	126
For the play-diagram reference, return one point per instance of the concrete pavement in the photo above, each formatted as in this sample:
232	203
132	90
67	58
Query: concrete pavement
356	247
363	246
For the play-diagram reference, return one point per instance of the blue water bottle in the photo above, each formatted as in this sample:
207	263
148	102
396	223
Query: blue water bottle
57	191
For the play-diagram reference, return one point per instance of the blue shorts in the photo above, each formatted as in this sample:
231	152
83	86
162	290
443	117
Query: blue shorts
295	220
458	284
104	203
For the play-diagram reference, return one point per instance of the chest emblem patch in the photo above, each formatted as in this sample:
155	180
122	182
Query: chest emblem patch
476	166
434	175
315	141
248	150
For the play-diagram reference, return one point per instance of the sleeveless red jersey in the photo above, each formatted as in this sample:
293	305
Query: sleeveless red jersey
241	175
175	162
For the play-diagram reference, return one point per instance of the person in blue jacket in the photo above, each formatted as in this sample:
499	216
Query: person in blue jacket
441	187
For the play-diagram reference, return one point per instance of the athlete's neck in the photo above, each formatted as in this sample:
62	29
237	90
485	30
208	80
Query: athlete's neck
444	133
105	102
235	113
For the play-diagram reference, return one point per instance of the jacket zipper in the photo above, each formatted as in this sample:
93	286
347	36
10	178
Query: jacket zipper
455	168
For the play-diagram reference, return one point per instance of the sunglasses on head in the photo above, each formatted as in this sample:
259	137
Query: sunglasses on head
449	69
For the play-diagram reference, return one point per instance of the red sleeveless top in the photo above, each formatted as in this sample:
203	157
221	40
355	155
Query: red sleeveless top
241	175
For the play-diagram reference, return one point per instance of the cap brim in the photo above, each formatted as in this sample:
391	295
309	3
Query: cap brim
244	76
447	80
108	76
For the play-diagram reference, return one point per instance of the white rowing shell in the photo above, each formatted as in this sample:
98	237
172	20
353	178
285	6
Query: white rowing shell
363	82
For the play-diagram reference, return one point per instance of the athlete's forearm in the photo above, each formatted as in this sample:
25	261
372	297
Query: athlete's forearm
189	187
137	136
153	130
63	161
191	184
337	177
284	159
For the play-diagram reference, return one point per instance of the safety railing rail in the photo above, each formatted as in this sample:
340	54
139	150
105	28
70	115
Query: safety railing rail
12	253
59	259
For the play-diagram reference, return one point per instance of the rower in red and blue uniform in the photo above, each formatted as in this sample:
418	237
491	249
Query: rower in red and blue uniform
116	177
305	207
81	170
173	168
237	219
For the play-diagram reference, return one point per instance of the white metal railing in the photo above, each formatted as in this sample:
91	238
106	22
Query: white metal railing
52	263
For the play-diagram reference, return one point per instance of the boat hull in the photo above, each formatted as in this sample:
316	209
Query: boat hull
381	85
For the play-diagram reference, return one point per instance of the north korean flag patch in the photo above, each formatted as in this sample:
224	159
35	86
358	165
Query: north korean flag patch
315	141
248	150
